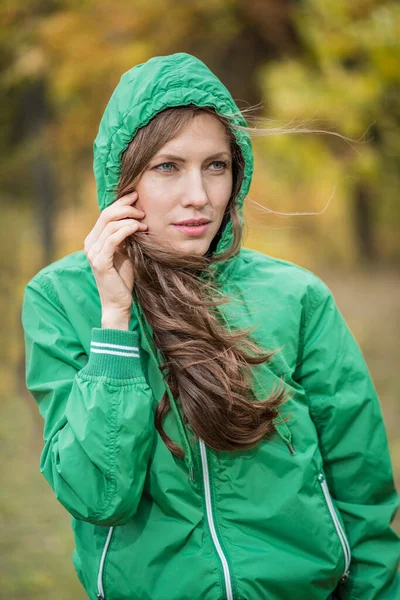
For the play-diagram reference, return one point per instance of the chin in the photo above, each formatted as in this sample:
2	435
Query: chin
198	247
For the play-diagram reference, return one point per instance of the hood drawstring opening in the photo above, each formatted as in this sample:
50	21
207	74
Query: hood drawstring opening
284	433
188	458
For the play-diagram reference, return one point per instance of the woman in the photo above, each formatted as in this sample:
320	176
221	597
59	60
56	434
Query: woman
210	422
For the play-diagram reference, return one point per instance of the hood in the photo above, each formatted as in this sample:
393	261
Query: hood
145	90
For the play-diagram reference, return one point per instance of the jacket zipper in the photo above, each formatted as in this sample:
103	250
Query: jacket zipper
100	588
339	529
206	479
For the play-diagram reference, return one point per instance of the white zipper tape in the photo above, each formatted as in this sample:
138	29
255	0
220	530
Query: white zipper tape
100	588
338	527
210	518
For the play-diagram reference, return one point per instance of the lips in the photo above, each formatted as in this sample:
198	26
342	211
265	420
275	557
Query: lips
193	222
192	228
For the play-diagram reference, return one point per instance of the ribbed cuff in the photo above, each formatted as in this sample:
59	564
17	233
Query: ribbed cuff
114	353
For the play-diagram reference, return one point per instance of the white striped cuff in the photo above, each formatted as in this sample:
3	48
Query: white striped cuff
114	353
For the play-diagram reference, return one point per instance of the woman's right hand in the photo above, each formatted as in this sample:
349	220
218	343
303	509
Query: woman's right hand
111	266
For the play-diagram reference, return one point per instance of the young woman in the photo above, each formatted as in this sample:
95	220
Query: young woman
210	422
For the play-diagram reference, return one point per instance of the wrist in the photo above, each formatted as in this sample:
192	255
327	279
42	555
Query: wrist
112	319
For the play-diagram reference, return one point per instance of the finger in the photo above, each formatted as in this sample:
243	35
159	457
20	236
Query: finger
132	196
126	211
114	229
126	200
115	226
118	214
112	213
105	257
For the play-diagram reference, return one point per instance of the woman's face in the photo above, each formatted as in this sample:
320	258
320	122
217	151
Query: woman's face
190	177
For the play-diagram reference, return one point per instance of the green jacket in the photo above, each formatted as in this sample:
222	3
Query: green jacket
308	510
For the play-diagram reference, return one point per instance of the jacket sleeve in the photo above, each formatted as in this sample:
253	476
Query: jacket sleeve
346	411
97	409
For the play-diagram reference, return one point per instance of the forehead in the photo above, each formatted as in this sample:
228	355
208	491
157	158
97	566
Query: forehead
204	132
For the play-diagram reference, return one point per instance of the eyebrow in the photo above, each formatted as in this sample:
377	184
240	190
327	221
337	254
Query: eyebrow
180	159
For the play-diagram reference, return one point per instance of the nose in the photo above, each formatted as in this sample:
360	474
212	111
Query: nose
194	192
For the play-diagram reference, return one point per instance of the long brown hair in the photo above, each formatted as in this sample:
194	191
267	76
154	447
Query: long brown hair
208	364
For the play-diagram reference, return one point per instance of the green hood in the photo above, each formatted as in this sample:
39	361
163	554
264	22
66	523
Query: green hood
145	90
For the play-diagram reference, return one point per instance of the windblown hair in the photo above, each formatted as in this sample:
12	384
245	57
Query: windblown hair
208	364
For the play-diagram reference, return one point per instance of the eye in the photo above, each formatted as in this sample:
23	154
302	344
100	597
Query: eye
168	164
223	164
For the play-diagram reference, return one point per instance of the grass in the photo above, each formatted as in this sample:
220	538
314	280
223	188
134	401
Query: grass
36	540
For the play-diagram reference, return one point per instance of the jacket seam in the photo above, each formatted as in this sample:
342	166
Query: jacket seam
111	456
40	276
113	381
51	292
311	313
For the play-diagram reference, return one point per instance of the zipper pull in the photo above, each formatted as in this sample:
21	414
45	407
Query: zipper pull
344	577
291	449
284	433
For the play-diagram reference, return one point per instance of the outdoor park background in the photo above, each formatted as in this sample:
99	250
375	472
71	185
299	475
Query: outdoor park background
330	64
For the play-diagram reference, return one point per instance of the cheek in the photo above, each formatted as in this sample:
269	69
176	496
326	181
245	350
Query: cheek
152	199
223	200
223	192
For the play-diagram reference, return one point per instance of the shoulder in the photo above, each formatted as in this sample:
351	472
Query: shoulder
75	262
74	266
279	278
65	282
63	298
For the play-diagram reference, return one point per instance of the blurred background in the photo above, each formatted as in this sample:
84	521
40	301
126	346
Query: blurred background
331	64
